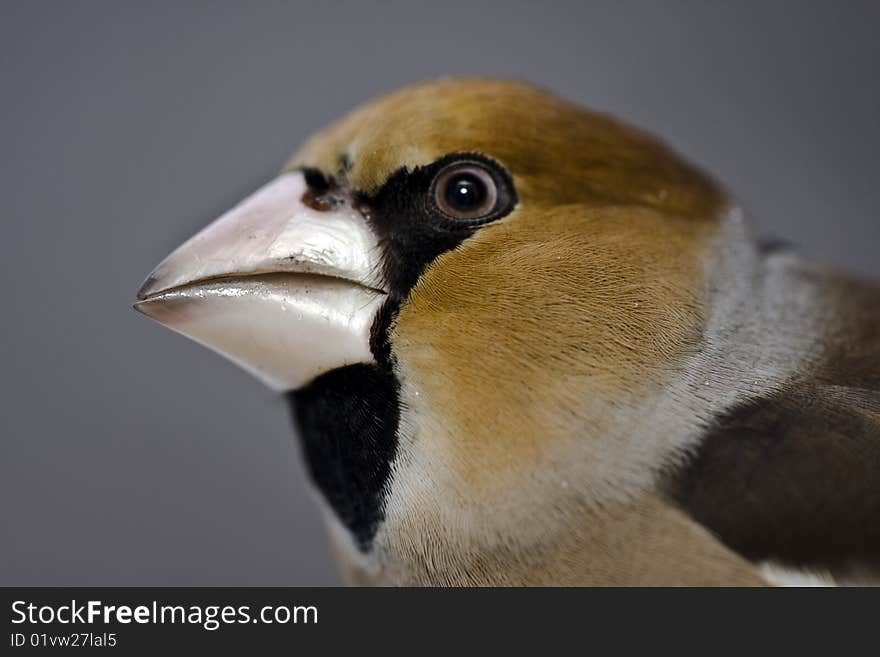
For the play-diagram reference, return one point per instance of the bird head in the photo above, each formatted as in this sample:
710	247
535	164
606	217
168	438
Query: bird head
479	299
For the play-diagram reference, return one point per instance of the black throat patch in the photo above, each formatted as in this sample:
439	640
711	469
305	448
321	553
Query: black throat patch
347	421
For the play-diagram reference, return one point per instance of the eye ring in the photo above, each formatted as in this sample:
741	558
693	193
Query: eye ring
465	191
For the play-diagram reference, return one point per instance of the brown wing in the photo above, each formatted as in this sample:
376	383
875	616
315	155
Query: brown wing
796	477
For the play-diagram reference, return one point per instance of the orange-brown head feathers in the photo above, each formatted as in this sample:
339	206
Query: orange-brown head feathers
533	280
545	321
558	152
535	355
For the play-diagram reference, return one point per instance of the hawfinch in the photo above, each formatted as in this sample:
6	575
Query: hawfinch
526	344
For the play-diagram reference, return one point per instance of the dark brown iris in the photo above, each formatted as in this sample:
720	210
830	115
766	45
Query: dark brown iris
465	191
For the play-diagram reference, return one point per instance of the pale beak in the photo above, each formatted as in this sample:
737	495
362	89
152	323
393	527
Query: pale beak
285	290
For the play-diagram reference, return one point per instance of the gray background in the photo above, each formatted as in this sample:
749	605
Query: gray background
132	456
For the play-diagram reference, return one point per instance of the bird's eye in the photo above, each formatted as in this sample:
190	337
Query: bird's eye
465	191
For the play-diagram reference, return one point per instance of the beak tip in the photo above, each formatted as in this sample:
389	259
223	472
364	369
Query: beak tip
157	311
147	287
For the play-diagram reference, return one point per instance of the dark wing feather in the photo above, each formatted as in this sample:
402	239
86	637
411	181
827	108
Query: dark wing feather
796	477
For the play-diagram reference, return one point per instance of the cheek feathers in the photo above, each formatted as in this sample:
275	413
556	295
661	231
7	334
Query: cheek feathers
519	336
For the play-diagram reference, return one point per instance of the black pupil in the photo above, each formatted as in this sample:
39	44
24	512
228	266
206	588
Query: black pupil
465	193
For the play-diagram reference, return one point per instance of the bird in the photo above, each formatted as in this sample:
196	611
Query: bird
524	343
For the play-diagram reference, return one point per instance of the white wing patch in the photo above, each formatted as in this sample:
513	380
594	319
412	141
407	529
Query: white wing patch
780	575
